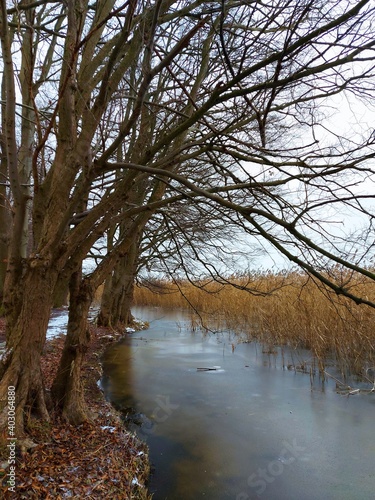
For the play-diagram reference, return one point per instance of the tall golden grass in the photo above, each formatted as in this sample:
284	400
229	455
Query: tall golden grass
285	308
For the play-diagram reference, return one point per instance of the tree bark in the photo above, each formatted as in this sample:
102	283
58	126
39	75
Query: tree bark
67	389
104	316
123	299
60	294
117	297
20	366
5	219
10	148
25	152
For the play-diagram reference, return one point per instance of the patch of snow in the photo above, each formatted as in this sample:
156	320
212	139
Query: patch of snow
4	353
57	323
136	482
108	427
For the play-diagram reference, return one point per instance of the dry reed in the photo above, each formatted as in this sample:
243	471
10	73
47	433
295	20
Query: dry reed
285	308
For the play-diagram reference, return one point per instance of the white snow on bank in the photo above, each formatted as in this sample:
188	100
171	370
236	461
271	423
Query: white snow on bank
57	323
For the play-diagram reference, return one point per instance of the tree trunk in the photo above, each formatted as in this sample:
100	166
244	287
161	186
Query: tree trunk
104	316
25	151
121	312
117	297
20	366
60	295
67	388
5	224
5	219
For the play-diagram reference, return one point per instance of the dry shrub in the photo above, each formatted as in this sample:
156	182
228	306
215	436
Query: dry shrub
286	308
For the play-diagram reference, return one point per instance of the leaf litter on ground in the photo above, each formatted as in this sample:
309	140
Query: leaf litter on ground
98	459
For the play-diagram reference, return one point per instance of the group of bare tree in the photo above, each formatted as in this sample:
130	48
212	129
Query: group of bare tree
164	128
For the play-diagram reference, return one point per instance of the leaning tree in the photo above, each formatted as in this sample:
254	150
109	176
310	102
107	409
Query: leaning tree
136	108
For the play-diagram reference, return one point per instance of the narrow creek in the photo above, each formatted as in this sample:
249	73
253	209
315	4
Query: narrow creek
247	429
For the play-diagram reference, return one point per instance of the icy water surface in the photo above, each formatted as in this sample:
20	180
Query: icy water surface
246	429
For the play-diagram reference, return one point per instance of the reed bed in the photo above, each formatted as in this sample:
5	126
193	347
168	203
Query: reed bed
286	308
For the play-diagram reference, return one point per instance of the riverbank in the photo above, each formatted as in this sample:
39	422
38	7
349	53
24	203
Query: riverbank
98	459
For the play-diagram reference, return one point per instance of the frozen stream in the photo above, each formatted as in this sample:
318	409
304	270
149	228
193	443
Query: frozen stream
245	430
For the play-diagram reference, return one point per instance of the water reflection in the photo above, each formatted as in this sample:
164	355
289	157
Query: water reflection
248	430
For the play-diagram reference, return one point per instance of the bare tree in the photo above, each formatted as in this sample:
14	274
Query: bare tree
144	105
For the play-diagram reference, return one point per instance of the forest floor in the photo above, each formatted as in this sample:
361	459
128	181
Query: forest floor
96	460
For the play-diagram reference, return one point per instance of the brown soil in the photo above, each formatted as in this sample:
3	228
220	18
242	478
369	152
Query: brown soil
98	459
